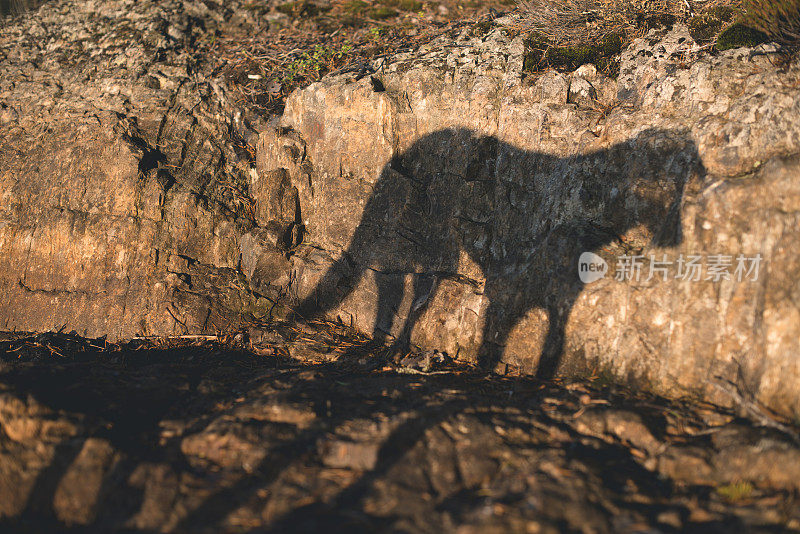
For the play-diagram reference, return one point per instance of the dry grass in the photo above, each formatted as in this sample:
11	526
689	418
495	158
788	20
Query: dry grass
315	38
578	22
565	33
780	19
572	22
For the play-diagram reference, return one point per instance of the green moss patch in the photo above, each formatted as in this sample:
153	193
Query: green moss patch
302	7
405	5
704	28
739	35
535	47
729	27
381	12
603	55
356	7
724	13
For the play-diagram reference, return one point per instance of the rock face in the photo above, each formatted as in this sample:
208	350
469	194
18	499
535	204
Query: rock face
461	210
123	172
447	199
451	202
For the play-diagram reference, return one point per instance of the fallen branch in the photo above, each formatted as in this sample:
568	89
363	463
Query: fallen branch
751	408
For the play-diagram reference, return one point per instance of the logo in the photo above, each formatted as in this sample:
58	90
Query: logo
591	267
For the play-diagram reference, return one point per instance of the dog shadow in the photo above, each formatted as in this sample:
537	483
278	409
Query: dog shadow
522	217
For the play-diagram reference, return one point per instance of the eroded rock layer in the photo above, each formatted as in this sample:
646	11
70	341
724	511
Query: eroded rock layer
123	171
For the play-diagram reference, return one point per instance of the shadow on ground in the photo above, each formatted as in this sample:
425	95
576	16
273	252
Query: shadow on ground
212	437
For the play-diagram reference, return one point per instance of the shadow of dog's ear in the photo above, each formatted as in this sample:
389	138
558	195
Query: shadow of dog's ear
674	162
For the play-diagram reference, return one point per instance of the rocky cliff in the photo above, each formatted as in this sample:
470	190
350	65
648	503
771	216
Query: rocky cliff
448	198
124	170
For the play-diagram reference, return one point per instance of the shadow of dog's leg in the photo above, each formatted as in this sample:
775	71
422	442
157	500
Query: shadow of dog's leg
499	325
495	335
390	291
424	288
553	345
390	296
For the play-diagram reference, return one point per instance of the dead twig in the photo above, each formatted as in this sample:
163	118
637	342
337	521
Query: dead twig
757	414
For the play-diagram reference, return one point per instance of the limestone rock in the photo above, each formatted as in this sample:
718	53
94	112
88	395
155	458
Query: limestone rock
123	197
452	208
581	92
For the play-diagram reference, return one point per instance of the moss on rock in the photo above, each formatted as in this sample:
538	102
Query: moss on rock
738	35
405	5
381	12
603	55
536	45
704	28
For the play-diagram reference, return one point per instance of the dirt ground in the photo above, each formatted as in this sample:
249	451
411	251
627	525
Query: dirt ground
302	431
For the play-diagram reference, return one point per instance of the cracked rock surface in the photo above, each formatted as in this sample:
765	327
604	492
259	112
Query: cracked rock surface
444	199
453	205
123	170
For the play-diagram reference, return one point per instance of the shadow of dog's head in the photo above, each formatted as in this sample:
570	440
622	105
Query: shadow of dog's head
643	185
461	181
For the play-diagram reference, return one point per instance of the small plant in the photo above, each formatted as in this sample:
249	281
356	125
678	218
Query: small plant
603	377
376	33
314	64
736	492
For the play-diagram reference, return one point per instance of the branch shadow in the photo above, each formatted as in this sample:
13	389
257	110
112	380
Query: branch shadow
420	404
